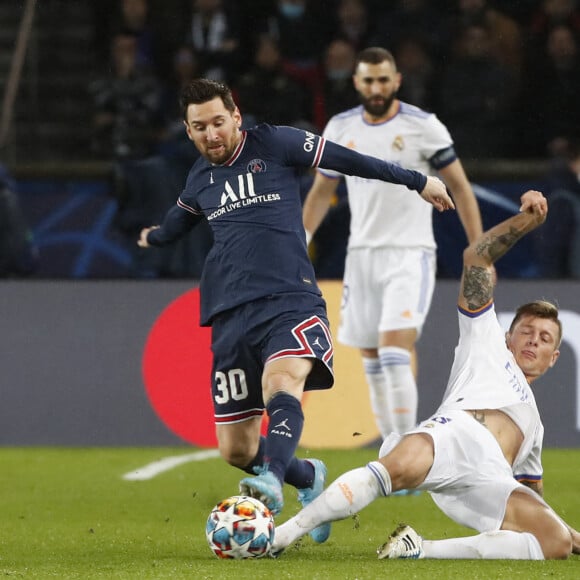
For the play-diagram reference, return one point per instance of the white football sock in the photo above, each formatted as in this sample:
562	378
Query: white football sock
401	387
344	497
378	395
501	545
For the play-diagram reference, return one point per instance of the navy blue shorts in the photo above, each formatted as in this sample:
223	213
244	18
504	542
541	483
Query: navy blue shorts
245	338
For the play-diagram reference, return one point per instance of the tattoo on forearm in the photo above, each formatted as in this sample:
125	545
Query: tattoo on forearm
494	247
479	416
477	286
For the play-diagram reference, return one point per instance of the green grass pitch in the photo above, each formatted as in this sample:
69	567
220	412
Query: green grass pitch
68	513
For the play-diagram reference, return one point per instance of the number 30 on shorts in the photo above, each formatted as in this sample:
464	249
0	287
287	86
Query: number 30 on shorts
231	386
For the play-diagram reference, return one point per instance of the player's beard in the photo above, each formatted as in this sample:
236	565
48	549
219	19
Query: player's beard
377	105
229	148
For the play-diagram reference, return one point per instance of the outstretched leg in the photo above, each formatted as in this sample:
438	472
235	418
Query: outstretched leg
404	467
531	530
526	512
405	543
345	496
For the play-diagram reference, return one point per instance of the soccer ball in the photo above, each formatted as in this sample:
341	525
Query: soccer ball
240	527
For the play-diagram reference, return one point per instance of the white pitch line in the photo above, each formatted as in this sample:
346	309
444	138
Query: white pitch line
151	470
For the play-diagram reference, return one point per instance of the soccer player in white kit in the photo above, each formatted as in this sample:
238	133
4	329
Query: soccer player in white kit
479	455
391	260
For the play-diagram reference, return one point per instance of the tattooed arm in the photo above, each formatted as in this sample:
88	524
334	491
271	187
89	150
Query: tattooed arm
477	278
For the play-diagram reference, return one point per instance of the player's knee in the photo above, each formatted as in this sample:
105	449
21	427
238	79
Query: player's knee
553	536
397	471
288	376
409	461
558	546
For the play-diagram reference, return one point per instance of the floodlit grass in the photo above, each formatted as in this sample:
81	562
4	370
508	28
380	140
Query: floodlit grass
68	513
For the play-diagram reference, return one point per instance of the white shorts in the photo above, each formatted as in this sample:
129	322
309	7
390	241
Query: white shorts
385	289
470	480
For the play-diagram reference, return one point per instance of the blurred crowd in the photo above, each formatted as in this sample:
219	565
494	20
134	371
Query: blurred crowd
503	76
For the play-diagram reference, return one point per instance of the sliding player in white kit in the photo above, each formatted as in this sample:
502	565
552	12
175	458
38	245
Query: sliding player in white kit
479	455
391	261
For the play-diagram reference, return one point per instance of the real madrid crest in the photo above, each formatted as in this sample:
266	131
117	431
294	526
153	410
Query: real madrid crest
398	143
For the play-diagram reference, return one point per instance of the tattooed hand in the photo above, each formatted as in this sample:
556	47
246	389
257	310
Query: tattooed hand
533	202
478	258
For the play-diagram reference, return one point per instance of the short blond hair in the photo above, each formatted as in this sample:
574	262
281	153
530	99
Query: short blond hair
539	309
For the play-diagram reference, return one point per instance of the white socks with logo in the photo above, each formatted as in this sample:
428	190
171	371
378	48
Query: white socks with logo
344	497
400	388
378	395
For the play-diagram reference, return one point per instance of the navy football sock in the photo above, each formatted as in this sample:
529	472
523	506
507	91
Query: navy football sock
300	472
284	431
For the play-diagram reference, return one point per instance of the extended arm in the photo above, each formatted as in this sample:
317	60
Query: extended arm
350	162
318	202
177	222
465	201
477	279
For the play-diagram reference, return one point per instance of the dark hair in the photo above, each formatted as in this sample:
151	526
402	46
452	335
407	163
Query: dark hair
539	309
375	55
203	90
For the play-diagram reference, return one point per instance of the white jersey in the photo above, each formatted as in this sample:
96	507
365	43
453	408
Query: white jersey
386	214
485	375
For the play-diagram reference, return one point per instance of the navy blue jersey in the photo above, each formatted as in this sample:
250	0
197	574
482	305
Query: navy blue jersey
252	203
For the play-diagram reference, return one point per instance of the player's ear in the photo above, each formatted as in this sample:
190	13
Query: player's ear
237	117
555	356
398	80
188	130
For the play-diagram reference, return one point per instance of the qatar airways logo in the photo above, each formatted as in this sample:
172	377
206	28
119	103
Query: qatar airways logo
240	194
309	142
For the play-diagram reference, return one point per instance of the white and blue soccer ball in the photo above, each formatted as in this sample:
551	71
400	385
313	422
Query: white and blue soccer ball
240	527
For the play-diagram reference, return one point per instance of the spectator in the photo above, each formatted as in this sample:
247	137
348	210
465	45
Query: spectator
551	13
215	36
551	107
475	97
146	187
336	92
353	23
302	32
18	254
267	94
558	247
416	19
126	120
127	16
185	67
505	35
418	71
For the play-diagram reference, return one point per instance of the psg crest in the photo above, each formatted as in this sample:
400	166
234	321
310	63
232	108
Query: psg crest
256	166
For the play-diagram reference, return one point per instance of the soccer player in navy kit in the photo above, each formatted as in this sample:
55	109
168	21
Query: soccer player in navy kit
270	336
